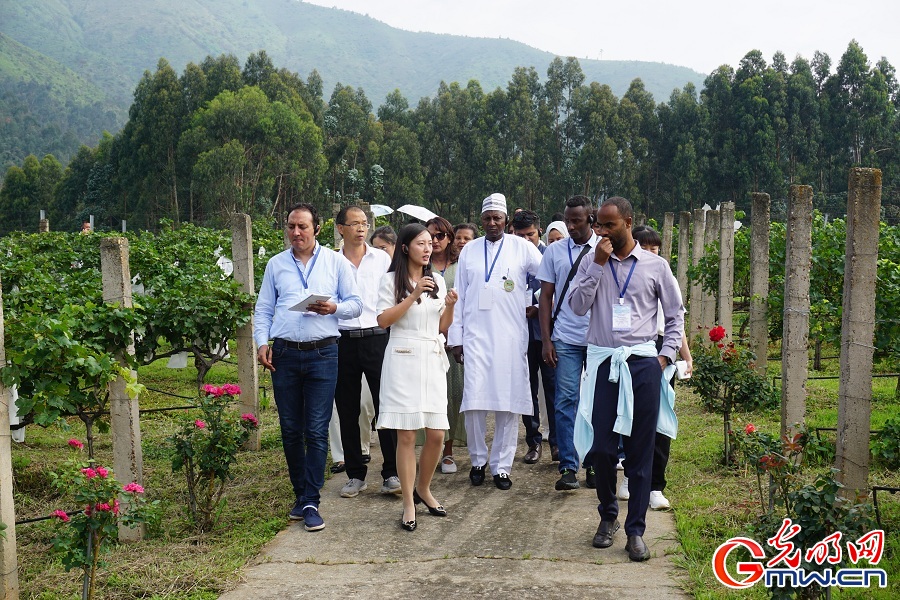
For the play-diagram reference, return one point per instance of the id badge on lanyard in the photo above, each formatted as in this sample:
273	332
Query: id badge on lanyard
621	312
621	317
485	298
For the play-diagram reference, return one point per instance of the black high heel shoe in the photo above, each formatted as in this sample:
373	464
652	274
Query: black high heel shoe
407	525
437	511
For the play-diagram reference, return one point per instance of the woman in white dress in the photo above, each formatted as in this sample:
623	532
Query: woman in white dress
418	308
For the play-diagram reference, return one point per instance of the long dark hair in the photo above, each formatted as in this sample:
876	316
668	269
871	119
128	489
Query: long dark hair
400	263
444	226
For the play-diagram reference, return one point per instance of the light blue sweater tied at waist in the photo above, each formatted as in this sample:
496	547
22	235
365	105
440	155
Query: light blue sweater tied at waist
667	424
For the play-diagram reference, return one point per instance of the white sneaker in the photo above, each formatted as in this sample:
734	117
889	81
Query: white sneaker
622	493
658	501
448	467
352	488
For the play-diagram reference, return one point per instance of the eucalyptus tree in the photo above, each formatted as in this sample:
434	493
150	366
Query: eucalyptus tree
557	135
804	130
596	107
249	154
682	149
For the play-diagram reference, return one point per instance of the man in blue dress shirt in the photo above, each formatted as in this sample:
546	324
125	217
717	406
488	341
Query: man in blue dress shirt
564	346
303	357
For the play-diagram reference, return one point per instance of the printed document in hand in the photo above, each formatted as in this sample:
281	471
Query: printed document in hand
303	305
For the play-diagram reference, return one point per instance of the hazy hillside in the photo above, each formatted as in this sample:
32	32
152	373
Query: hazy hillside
92	51
46	108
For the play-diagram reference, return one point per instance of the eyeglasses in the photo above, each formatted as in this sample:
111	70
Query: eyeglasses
356	225
439	236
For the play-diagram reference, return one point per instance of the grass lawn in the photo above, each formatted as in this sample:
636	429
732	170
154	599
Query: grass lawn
711	503
173	562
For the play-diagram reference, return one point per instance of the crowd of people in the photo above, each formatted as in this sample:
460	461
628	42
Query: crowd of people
433	327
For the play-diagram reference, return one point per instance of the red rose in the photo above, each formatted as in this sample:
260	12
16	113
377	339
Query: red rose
750	428
717	333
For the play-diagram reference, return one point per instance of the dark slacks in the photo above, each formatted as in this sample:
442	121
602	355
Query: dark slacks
660	460
532	423
645	374
356	357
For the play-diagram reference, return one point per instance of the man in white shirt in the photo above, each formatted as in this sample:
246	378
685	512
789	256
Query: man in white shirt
361	352
490	332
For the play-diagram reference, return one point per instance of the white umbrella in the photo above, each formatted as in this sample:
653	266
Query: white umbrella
419	212
380	210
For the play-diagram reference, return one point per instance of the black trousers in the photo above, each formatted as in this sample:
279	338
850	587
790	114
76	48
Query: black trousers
645	376
548	374
358	357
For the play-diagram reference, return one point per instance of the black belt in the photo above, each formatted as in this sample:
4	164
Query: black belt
307	345
361	333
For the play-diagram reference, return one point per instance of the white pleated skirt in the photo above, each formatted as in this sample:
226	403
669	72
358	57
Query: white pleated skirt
413	421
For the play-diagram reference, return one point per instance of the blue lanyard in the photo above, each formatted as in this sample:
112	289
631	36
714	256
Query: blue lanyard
621	289
487	273
311	265
569	248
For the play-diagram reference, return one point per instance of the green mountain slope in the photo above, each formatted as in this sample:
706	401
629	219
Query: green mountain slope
68	68
46	108
19	63
111	42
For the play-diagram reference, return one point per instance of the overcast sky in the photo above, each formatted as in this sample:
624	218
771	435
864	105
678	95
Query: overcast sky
700	34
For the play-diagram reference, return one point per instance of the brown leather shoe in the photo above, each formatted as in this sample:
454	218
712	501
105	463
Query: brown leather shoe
605	532
533	455
637	549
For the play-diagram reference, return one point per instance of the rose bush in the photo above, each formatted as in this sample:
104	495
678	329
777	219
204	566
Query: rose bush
82	537
206	448
725	379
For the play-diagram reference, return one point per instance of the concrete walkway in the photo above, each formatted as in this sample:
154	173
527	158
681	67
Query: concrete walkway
528	542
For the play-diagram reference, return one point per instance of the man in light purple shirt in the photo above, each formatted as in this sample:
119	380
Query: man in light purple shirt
622	286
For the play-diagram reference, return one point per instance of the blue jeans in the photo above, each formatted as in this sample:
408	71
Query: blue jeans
570	359
303	383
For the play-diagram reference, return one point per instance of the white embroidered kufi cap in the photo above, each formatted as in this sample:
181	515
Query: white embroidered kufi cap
495	201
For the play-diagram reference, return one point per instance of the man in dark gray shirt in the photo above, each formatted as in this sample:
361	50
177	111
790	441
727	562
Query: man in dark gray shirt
622	286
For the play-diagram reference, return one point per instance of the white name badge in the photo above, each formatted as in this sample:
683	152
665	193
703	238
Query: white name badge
621	317
485	299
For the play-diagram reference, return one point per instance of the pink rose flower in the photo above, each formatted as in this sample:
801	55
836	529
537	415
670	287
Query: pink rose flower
231	389
89	472
61	514
74	443
213	390
250	418
133	488
102	472
200	424
750	428
115	509
104	507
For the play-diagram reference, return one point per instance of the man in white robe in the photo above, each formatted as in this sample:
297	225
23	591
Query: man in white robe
490	333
